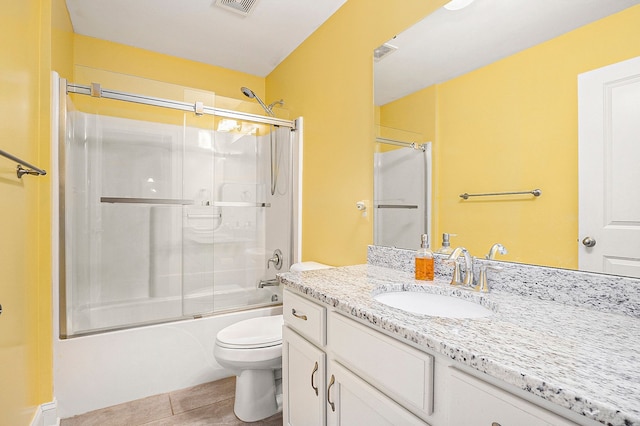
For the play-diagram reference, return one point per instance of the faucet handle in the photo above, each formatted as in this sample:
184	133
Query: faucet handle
456	278
276	259
483	284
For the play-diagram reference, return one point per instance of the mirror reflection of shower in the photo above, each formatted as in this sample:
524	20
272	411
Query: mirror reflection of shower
402	189
272	143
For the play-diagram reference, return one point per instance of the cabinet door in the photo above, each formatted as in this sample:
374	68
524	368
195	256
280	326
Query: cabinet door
352	401
474	402
303	381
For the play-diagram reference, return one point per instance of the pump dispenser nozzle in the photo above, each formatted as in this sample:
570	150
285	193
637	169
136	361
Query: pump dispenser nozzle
446	245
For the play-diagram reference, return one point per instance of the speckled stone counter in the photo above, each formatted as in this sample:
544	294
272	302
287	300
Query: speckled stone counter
580	358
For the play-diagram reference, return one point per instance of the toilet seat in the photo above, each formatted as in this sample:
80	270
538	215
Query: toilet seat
254	333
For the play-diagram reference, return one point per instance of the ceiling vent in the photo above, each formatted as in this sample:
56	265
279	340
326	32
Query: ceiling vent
383	51
241	7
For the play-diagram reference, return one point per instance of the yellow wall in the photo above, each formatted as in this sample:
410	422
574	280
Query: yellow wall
513	125
329	81
105	55
27	50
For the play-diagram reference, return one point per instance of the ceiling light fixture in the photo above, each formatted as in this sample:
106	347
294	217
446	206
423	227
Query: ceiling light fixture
457	4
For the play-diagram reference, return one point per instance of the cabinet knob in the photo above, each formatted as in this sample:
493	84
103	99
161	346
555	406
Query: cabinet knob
495	424
315	388
332	381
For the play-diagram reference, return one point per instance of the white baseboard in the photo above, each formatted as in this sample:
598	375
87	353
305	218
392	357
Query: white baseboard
46	415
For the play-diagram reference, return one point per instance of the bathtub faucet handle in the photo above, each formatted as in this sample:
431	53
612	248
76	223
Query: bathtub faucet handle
276	259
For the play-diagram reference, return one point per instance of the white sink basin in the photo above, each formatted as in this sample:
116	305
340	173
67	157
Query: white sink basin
436	305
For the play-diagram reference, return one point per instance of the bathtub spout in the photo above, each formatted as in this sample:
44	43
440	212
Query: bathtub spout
268	283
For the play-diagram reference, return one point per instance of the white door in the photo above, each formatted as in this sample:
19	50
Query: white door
609	169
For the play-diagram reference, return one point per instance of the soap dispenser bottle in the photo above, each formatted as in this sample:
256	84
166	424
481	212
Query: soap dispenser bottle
446	245
424	260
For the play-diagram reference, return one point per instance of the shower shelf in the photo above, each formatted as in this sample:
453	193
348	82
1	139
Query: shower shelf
171	201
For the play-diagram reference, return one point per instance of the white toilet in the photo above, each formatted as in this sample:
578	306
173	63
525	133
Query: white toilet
252	350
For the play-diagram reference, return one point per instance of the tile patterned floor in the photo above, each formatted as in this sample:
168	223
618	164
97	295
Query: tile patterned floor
202	405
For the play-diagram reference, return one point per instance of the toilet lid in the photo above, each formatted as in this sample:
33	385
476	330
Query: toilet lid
252	333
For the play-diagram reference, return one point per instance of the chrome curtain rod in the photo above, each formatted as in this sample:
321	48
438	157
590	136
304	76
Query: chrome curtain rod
21	171
535	193
413	145
96	91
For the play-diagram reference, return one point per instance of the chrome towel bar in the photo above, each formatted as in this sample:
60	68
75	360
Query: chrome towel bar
21	171
535	193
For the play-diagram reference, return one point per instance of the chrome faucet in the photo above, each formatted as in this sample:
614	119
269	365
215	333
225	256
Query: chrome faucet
483	284
468	265
496	248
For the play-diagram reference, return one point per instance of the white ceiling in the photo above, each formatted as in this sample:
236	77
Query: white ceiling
199	31
444	45
447	44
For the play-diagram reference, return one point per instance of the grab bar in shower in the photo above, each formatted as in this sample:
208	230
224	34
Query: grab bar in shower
21	171
170	201
122	200
238	204
534	192
396	206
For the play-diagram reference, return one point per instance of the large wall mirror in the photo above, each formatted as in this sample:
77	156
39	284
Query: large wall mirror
498	88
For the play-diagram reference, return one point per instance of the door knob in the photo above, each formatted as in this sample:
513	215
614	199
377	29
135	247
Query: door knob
589	242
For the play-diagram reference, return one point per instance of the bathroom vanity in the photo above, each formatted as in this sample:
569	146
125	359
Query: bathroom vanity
349	359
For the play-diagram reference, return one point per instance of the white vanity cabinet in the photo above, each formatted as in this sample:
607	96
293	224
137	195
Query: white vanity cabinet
304	361
339	371
318	388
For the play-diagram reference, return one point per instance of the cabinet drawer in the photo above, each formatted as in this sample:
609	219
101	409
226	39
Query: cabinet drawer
403	373
306	317
474	402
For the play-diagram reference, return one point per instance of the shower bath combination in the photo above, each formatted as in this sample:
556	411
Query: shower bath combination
166	228
164	220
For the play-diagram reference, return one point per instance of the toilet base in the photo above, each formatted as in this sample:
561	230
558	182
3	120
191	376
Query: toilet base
256	395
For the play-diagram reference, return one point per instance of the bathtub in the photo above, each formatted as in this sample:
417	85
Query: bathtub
101	370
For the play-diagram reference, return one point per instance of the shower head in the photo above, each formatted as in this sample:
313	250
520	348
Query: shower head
251	95
247	92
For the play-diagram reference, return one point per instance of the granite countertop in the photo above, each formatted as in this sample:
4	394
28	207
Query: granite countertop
582	359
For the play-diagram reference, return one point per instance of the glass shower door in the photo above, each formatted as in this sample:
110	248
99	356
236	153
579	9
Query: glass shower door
237	222
123	205
169	214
